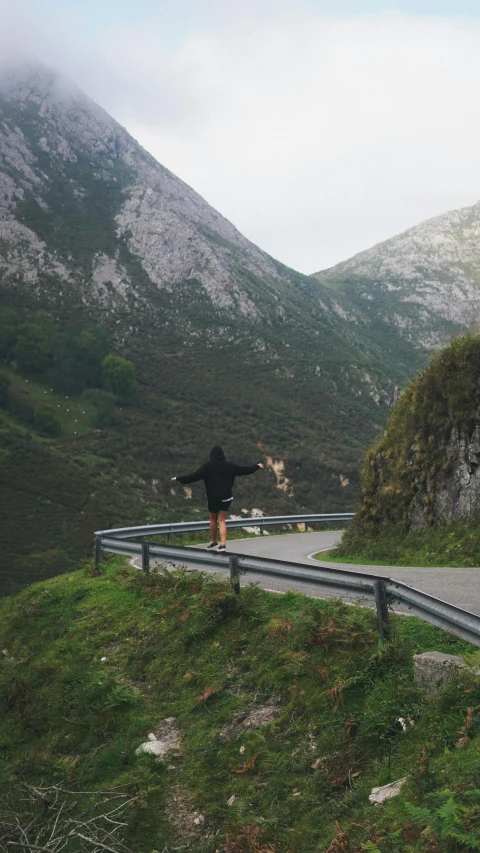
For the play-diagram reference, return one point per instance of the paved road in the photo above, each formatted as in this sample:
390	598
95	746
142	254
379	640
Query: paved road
455	585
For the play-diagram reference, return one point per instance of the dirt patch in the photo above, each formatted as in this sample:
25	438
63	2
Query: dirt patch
264	714
278	468
168	731
255	718
188	824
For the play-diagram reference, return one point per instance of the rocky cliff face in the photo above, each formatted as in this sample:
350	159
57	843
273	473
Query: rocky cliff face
454	492
426	467
425	283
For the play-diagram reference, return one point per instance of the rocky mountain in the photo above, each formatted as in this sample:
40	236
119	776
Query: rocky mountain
76	190
424	283
89	218
229	345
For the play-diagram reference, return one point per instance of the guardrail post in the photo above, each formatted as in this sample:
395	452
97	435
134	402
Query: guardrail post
97	551
146	557
382	608
234	573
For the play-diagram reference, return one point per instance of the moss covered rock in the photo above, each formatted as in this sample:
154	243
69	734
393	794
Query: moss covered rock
425	470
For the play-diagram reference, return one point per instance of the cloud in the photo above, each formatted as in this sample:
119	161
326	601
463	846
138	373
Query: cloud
316	137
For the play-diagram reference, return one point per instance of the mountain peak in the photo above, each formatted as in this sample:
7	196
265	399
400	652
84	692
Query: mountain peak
425	281
66	140
30	79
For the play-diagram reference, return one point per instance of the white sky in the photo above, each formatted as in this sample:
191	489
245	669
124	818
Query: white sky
317	128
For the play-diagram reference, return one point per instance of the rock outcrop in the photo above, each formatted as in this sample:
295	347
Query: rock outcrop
453	493
426	467
433	669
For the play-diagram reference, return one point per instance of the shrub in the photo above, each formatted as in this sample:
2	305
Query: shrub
103	403
119	377
77	360
33	347
4	390
46	421
21	406
9	323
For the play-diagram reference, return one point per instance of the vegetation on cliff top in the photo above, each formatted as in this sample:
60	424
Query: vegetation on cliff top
402	468
287	708
457	544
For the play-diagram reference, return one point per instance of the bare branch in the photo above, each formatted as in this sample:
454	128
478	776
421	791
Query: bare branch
94	841
56	821
52	819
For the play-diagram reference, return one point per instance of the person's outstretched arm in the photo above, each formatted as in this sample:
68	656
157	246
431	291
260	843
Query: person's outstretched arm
191	478
242	470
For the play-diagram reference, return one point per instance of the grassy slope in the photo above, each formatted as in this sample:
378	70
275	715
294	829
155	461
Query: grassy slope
457	544
182	645
76	416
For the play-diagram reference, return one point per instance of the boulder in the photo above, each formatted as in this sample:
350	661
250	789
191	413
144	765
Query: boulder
433	669
386	792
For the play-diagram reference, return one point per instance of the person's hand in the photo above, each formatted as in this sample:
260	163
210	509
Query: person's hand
173	478
261	465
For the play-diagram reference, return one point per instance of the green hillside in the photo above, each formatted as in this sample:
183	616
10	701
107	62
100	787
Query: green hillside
285	713
86	478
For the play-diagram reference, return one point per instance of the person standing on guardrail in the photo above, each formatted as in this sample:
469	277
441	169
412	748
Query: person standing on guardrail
218	474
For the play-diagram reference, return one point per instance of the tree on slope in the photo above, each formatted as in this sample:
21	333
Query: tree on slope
119	377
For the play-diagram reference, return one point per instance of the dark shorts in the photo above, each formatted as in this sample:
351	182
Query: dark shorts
215	505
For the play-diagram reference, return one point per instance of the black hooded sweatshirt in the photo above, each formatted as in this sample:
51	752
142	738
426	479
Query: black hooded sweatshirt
218	475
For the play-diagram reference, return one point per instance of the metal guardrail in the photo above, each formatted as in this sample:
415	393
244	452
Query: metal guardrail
384	592
192	526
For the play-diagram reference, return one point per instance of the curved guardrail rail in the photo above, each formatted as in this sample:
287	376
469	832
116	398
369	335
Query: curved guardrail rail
384	592
192	526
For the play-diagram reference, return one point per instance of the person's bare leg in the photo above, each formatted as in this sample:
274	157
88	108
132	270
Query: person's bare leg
213	526
222	524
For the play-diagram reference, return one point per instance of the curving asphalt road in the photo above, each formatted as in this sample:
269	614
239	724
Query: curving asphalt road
455	585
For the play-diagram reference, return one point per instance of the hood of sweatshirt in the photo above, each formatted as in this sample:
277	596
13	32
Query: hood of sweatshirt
217	454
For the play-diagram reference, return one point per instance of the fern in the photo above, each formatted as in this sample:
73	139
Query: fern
394	838
472	660
449	817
